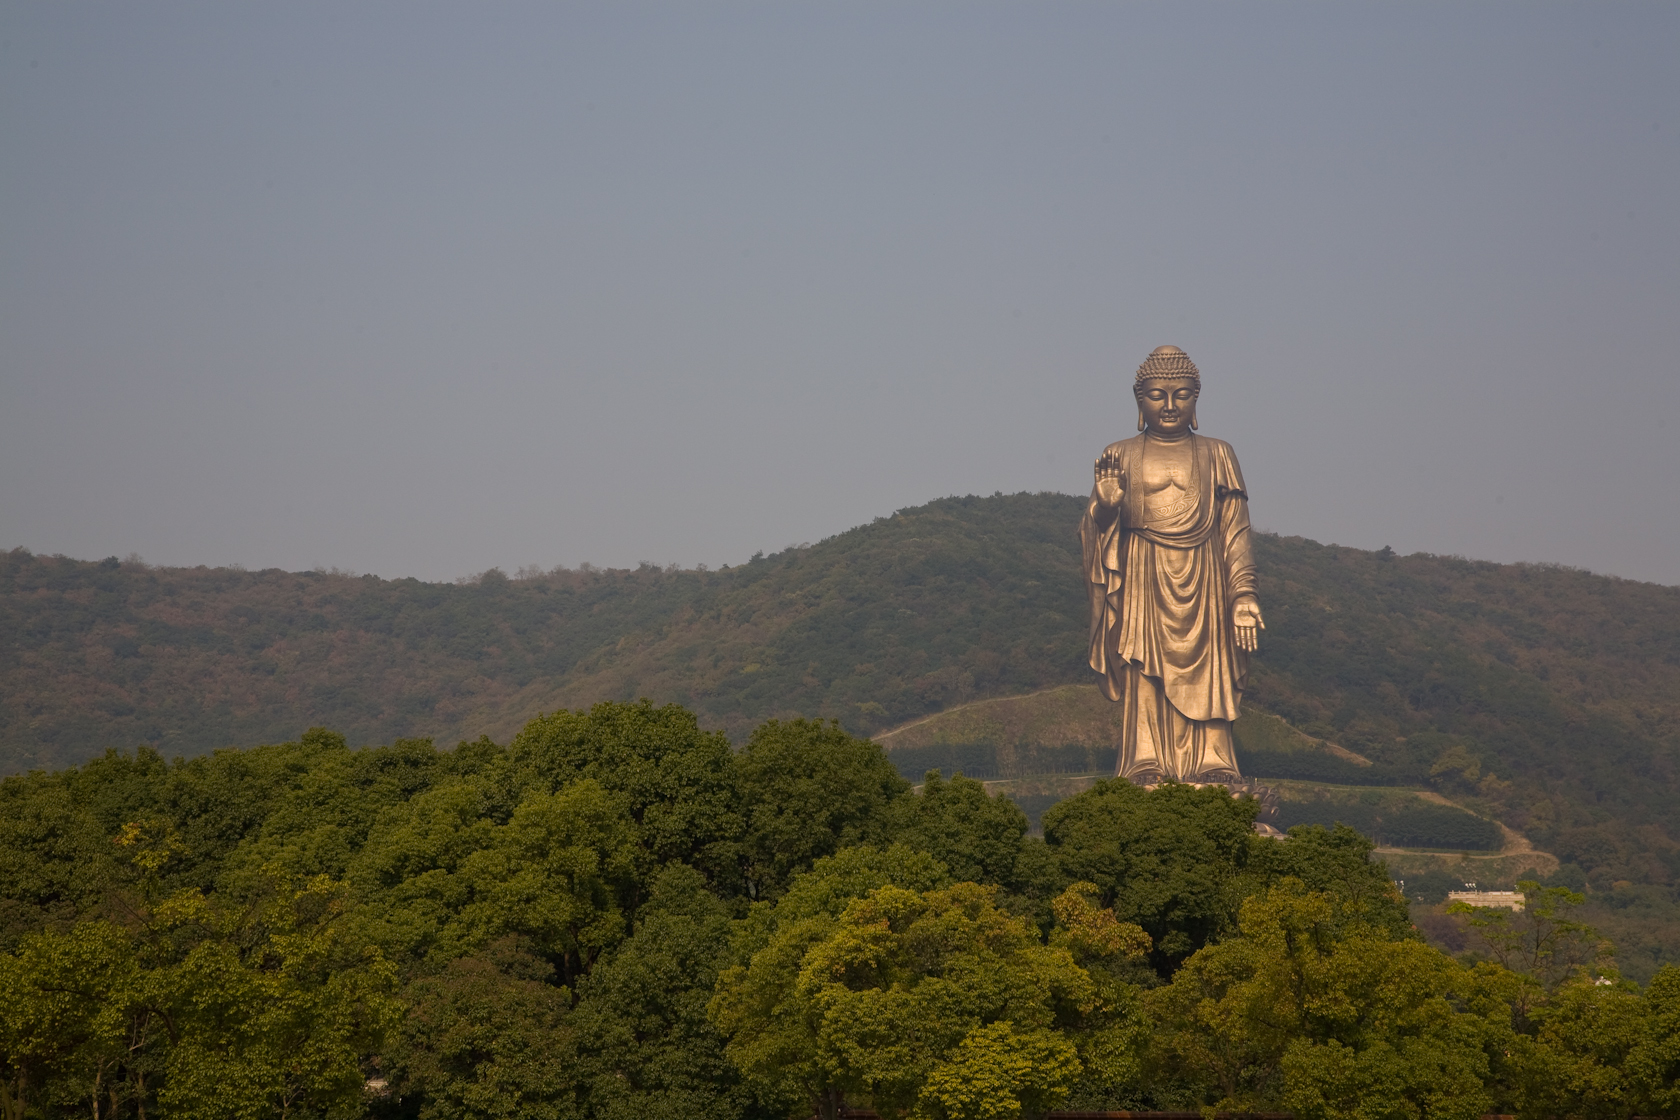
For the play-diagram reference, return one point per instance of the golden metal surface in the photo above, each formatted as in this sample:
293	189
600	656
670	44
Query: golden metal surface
1174	616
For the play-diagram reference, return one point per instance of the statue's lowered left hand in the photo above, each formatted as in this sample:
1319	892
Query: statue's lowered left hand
1245	617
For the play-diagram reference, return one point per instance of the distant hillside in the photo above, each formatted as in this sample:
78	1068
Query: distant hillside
1546	697
938	605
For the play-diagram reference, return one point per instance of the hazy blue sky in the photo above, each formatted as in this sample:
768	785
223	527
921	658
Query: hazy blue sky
422	289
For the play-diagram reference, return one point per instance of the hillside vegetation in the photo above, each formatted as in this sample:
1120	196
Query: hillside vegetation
1546	697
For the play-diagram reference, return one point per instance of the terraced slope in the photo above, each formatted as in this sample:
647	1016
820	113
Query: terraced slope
1030	745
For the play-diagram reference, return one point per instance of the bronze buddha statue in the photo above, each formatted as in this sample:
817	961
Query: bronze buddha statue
1168	565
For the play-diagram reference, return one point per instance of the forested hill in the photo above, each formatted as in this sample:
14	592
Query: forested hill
936	605
1551	694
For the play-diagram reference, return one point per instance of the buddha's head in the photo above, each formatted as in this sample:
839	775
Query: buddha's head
1166	389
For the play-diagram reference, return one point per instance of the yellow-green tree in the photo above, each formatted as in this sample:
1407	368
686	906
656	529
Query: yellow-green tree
201	1009
1114	1029
62	1002
271	1008
441	879
1584	1038
998	1072
913	993
1541	944
771	1039
1575	1063
1316	1010
1653	1065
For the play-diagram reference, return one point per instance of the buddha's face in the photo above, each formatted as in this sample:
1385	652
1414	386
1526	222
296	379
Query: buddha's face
1167	404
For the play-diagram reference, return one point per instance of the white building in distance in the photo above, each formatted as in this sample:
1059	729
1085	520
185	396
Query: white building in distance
1510	900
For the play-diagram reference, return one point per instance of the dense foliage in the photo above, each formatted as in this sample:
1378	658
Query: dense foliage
618	914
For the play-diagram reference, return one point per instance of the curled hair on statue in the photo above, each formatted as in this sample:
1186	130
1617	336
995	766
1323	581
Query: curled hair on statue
1168	361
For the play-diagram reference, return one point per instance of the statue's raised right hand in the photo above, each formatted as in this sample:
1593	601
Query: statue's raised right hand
1109	490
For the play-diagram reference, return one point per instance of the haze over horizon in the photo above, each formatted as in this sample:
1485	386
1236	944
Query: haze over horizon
425	290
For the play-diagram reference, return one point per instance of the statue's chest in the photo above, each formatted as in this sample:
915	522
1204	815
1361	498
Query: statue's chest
1171	467
1166	480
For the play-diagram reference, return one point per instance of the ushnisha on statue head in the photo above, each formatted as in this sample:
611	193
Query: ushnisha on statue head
1166	388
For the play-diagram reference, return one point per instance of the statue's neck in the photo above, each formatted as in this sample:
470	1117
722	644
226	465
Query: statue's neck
1159	438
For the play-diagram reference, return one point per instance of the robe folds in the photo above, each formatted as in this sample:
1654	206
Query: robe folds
1162	582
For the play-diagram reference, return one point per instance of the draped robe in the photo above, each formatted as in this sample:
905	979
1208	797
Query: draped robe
1162	581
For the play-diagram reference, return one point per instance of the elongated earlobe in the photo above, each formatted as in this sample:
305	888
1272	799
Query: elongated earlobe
1192	416
1140	419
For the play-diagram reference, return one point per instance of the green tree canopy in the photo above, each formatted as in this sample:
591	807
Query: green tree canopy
980	838
809	789
648	1047
676	779
564	871
1169	859
487	1036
